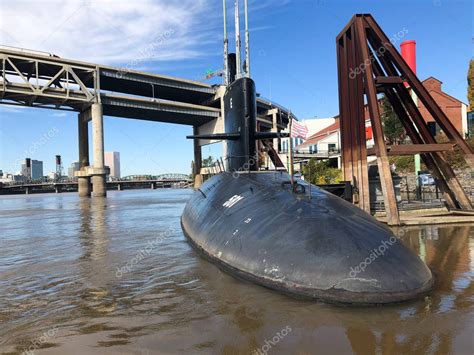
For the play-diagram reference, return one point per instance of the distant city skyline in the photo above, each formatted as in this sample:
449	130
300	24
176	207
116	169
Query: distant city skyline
32	168
293	63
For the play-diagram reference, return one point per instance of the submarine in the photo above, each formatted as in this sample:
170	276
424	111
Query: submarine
290	236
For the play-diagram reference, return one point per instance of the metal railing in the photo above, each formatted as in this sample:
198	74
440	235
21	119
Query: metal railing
320	153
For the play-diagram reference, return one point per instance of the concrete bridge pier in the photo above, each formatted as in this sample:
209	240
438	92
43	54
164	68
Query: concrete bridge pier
83	179
197	160
99	172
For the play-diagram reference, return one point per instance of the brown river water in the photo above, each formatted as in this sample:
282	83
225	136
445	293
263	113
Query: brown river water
117	276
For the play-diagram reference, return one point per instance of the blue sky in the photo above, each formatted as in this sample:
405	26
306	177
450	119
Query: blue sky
292	51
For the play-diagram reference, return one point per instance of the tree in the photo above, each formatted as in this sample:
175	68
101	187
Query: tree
320	172
455	157
393	128
470	84
209	161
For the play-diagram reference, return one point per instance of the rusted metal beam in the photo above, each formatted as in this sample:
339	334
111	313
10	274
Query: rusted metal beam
422	93
382	158
430	163
361	146
411	149
388	80
351	118
419	133
414	135
343	74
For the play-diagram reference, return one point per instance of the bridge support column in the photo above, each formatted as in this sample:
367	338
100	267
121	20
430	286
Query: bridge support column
98	177
274	128
197	159
84	186
83	181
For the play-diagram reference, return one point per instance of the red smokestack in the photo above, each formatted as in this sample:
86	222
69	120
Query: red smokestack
409	53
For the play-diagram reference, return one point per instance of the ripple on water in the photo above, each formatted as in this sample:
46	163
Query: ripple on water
59	262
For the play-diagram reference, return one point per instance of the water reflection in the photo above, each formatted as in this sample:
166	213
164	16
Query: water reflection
58	270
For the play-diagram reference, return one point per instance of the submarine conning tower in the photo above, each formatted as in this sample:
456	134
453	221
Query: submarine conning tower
240	104
240	107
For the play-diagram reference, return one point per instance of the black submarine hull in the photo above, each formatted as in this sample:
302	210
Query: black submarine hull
254	226
258	226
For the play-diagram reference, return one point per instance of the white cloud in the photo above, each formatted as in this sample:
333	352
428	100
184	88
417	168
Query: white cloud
109	31
14	109
59	114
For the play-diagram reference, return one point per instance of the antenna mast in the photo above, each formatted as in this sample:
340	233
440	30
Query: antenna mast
247	40
226	46
237	41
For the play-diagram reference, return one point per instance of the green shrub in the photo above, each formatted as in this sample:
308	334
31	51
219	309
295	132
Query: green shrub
404	164
321	173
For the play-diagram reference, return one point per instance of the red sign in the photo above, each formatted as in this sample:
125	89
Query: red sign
368	133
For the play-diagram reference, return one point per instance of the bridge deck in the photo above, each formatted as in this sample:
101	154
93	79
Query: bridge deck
36	79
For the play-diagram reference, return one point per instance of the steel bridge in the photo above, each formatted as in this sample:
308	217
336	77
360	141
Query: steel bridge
161	177
42	80
179	180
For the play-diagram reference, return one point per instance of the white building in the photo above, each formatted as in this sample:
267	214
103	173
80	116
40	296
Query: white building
112	160
8	178
326	143
314	125
75	166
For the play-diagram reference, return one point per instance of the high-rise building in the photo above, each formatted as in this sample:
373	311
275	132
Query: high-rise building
112	160
75	166
32	169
